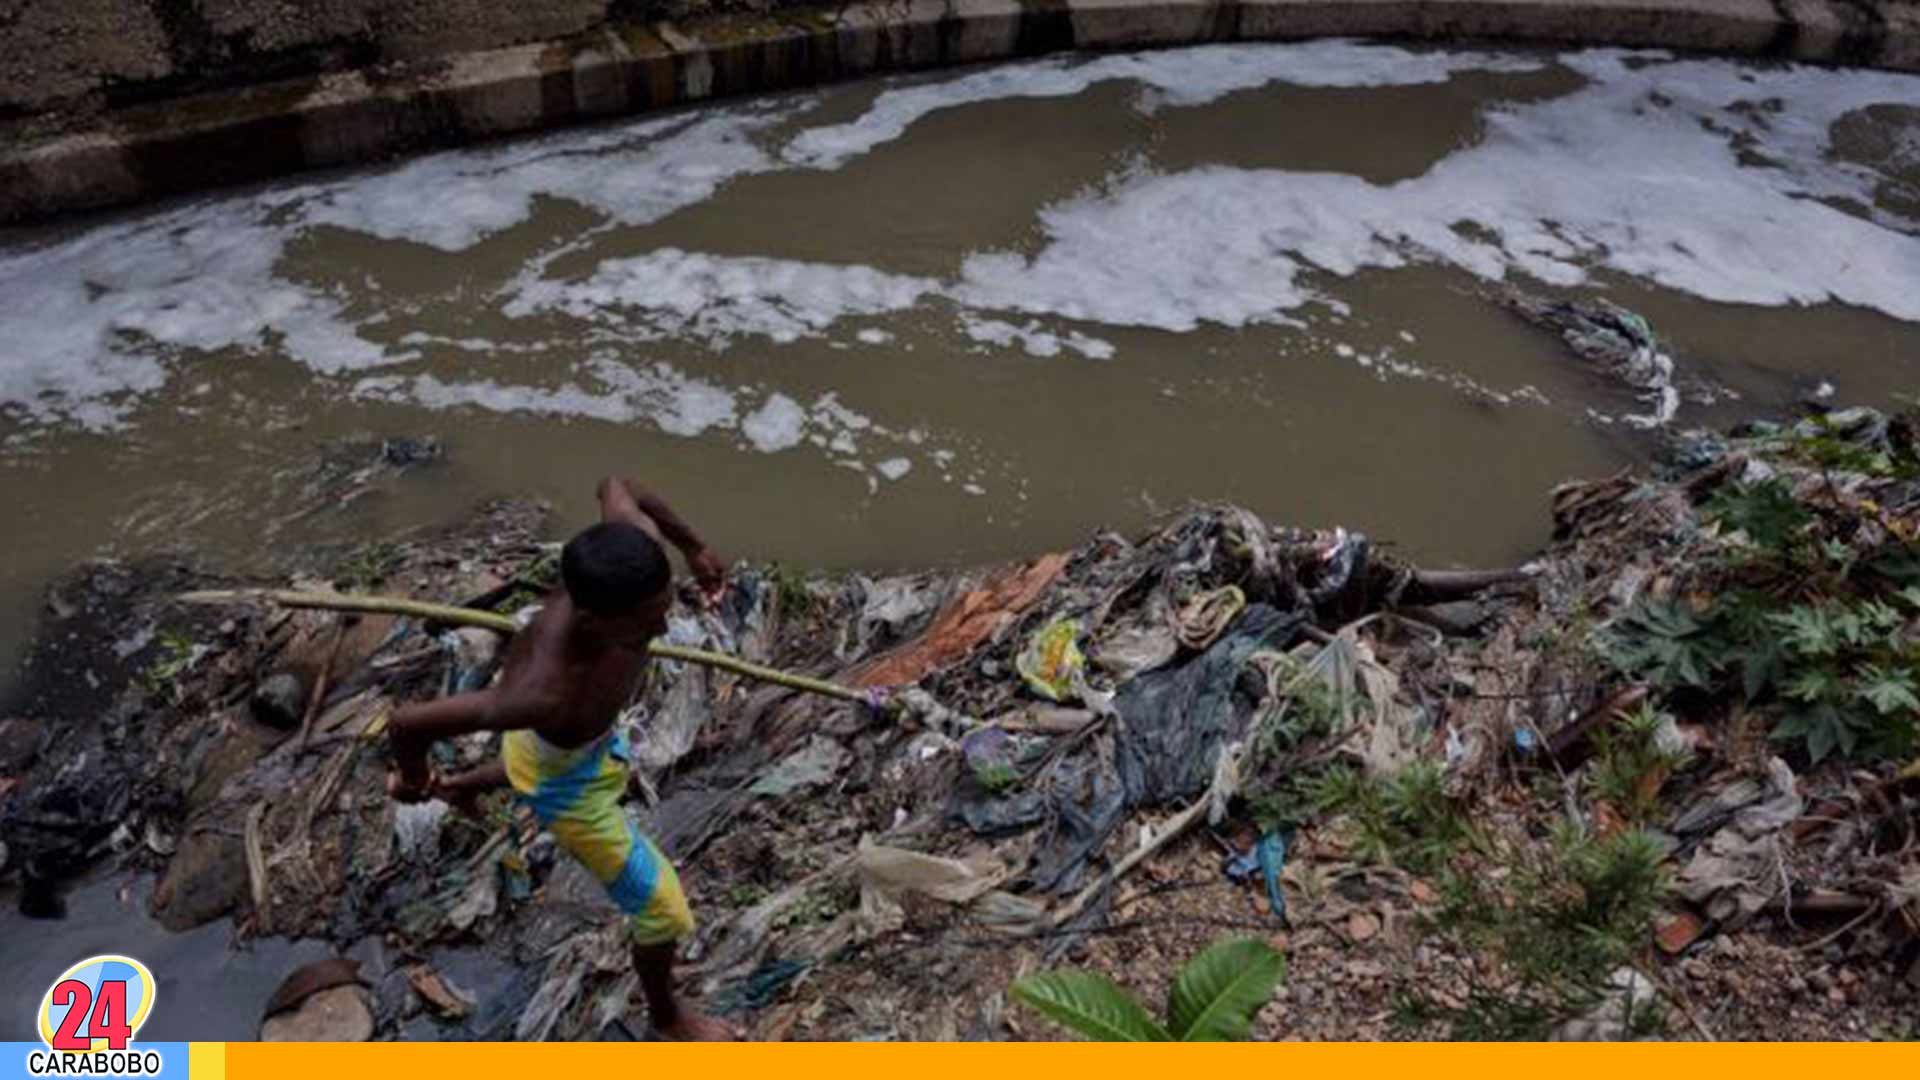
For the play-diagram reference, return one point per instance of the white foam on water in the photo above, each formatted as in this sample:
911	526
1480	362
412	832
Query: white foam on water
1636	172
874	336
1602	177
1032	338
419	339
431	392
677	403
636	174
672	401
830	412
1091	347
712	298
669	400
92	321
778	424
1181	77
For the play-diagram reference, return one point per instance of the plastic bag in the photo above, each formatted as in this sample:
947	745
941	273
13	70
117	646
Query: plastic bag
1052	662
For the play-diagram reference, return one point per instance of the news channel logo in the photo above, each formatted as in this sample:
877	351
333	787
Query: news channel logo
88	1018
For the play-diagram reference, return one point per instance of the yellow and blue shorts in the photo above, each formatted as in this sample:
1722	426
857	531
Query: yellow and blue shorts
575	793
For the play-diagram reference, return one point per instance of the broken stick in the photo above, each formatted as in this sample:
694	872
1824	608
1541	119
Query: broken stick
487	620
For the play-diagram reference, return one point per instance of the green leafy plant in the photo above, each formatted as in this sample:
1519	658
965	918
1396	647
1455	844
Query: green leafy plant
1305	706
1561	915
1405	819
1845	678
1629	764
792	596
532	583
370	565
1665	642
161	677
811	910
1766	511
1214	998
1835	669
1302	797
1302	707
516	600
1831	450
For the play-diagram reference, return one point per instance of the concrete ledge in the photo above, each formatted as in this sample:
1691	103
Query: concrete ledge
194	143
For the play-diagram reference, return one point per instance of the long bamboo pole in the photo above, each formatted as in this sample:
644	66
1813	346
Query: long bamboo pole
488	620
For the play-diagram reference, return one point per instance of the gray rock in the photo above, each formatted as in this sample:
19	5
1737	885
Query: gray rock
280	701
206	879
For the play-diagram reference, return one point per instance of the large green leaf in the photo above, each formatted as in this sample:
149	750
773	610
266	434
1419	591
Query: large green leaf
1218	992
1767	512
1089	1004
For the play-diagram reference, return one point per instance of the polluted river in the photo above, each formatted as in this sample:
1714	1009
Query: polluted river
973	315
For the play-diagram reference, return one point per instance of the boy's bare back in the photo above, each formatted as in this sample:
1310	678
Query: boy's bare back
572	689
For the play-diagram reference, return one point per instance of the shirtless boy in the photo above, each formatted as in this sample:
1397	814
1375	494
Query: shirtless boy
566	677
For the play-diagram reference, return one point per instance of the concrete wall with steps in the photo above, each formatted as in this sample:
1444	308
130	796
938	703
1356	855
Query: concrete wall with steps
193	142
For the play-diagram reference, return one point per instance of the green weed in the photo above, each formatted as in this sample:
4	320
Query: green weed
1629	766
1559	916
1406	819
161	677
792	596
369	565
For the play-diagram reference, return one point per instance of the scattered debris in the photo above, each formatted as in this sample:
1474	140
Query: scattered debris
1678	931
1051	663
1482	795
448	999
817	763
1618	342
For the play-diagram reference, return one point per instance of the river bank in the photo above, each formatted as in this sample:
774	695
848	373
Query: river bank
1566	800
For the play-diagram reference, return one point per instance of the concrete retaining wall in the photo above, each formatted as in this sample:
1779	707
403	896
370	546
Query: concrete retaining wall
147	116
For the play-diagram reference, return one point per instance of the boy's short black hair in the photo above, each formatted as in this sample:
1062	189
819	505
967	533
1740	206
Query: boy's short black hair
613	567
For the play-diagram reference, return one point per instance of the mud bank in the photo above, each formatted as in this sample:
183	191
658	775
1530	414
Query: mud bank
108	103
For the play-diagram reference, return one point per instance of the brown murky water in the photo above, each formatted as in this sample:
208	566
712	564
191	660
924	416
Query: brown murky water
1383	392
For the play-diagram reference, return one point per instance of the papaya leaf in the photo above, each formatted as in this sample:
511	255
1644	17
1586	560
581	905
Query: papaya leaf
1089	1004
1219	991
1767	512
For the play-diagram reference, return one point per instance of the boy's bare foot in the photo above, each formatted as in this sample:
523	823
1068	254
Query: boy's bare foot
691	1026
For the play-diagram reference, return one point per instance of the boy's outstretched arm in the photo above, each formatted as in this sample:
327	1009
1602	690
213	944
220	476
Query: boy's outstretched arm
629	501
416	727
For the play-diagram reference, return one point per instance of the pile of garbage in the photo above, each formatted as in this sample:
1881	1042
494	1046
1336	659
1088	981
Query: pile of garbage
1104	756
